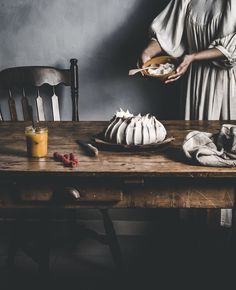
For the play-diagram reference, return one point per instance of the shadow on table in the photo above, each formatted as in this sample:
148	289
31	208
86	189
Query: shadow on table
176	154
8	151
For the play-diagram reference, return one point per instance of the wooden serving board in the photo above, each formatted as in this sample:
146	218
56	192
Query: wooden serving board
107	146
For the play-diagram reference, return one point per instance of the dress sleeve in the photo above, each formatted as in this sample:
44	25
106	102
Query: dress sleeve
169	27
227	45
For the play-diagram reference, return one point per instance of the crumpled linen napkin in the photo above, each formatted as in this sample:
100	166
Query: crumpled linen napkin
213	150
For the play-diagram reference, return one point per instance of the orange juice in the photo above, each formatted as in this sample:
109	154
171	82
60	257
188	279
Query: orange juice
37	141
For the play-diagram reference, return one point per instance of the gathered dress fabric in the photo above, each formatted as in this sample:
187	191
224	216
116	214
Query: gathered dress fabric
188	26
209	87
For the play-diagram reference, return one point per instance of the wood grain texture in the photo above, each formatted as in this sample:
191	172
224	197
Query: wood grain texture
89	193
63	136
113	194
112	179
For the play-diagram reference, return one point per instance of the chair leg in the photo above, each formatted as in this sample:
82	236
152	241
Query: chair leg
13	244
112	239
39	253
44	246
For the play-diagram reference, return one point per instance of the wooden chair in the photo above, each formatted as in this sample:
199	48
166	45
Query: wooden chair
23	77
37	76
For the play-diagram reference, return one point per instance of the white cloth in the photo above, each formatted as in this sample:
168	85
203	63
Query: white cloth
213	150
226	218
187	26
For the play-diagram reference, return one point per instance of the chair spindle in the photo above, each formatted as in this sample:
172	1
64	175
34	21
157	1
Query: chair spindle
25	106
74	88
12	106
55	106
39	102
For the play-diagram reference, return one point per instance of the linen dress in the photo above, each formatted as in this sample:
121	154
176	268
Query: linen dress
209	87
187	26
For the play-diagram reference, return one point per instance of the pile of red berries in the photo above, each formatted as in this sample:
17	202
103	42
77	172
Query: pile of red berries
69	160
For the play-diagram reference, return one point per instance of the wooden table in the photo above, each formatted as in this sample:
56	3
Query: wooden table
113	179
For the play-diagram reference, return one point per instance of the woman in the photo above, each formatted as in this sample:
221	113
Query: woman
203	34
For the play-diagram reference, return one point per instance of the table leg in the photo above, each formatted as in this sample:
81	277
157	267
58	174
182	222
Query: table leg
112	239
13	242
44	247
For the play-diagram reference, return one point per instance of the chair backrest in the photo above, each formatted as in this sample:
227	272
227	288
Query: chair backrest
23	77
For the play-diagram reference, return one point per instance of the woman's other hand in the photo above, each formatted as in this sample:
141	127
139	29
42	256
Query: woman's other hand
182	68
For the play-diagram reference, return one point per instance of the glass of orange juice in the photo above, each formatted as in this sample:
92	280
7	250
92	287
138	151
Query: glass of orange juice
37	141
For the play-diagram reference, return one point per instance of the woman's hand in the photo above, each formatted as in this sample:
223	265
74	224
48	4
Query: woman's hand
182	68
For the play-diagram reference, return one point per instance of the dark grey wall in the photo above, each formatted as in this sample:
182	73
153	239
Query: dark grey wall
105	35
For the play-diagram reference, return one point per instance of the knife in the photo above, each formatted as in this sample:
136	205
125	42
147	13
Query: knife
90	149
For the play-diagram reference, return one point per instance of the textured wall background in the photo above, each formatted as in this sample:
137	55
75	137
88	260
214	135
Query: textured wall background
105	35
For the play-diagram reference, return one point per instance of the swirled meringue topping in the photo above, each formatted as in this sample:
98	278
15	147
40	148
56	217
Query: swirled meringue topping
125	128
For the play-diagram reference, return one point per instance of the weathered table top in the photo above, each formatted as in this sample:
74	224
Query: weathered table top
113	179
62	138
